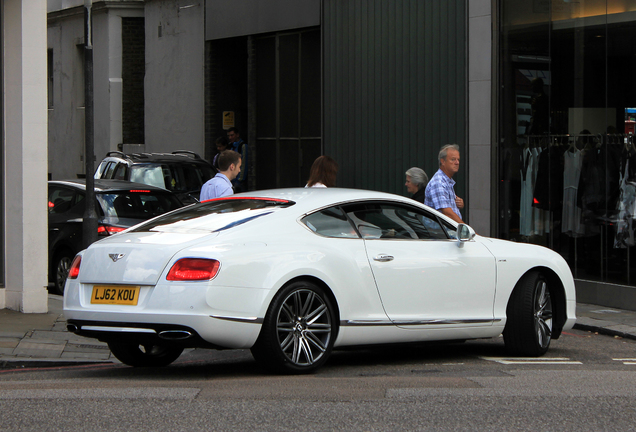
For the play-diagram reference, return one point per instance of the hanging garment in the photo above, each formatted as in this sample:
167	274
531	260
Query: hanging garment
527	187
541	218
571	216
626	211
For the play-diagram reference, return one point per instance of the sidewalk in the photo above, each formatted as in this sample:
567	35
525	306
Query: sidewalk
29	340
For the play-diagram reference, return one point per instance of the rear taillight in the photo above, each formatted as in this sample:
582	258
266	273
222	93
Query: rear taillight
75	266
193	269
106	230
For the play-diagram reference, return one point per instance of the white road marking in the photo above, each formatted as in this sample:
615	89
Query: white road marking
531	360
626	361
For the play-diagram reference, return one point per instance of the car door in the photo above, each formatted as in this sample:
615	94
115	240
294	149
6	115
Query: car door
65	218
425	278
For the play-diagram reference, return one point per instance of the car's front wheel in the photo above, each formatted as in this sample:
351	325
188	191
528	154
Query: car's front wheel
529	316
149	355
299	330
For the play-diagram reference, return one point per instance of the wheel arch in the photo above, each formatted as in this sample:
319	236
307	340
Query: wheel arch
322	284
557	292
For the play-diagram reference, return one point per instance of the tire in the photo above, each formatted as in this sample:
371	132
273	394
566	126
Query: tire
528	330
61	267
299	330
140	355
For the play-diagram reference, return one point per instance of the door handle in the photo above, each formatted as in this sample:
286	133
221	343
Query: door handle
383	258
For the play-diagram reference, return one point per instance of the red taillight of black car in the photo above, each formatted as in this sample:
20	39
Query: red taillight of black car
193	269
75	268
106	230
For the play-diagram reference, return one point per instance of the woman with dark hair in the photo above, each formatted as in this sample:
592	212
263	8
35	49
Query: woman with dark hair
323	172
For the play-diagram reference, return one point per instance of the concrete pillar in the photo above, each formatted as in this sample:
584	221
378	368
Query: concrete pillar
25	144
479	114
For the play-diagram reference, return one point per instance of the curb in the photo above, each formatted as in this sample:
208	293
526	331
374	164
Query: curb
30	363
605	331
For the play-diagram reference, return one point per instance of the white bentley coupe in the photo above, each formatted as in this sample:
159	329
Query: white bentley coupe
293	273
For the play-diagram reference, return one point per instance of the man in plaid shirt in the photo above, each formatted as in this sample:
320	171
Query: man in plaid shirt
440	194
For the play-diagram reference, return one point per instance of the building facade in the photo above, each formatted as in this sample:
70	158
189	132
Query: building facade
537	94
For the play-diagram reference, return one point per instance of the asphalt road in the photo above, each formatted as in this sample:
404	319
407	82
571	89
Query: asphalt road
585	382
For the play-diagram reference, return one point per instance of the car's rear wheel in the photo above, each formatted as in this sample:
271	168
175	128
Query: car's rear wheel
61	267
529	316
299	330
149	355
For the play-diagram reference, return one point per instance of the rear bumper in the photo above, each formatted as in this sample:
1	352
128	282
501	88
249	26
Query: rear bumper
184	331
164	334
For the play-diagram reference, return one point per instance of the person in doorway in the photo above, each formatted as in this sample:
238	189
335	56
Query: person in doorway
221	184
416	180
238	145
221	145
323	172
440	193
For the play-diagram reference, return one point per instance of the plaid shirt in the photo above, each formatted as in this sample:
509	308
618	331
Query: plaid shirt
440	193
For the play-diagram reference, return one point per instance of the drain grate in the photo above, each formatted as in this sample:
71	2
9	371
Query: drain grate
104	347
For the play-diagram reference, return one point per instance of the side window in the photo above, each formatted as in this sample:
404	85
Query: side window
120	172
60	199
331	222
450	230
108	171
388	221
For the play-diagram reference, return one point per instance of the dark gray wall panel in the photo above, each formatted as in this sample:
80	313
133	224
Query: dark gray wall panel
394	88
231	18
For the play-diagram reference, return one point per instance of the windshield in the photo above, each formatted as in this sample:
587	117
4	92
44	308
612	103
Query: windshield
214	215
182	177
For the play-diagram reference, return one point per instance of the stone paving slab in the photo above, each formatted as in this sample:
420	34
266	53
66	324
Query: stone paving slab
38	349
12	334
57	335
9	342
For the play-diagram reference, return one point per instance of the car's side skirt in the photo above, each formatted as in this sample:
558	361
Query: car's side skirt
370	323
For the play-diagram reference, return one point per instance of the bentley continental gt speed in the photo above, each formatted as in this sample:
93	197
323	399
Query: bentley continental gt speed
293	273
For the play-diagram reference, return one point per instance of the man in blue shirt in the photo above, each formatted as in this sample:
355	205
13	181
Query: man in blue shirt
221	184
440	194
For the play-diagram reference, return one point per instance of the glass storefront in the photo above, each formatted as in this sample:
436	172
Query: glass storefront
567	110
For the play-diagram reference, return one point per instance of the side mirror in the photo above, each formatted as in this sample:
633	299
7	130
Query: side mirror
464	234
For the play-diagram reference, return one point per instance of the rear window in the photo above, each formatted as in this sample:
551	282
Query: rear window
214	215
137	204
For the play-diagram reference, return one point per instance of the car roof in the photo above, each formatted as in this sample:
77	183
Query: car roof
307	199
180	156
108	185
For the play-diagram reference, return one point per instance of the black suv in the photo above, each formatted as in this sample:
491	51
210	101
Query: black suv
181	172
120	204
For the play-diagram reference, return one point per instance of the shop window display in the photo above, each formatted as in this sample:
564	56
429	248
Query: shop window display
567	157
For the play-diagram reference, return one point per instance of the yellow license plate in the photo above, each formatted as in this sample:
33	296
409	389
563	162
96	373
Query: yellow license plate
115	294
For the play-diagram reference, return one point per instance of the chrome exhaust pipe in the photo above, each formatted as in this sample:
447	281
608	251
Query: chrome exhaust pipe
71	328
175	334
